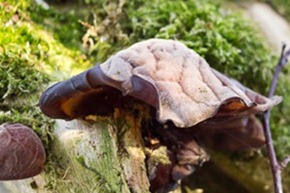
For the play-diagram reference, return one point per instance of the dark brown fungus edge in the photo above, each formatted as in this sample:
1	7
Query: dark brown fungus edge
22	154
194	104
90	92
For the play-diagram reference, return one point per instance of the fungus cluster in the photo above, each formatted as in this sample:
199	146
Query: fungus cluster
194	106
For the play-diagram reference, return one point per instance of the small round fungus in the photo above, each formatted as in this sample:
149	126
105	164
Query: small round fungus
22	154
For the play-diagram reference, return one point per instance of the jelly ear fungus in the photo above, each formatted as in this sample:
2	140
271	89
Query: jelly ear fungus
22	154
192	103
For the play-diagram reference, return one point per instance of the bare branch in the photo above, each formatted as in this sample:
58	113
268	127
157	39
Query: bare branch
281	63
275	166
285	162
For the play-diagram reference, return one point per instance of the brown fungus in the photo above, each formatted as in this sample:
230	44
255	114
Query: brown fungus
185	92
163	73
238	133
22	154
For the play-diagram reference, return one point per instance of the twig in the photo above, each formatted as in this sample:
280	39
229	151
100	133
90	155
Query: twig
285	162
275	166
281	63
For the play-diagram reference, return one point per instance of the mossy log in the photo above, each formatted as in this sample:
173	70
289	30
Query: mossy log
107	155
88	156
98	157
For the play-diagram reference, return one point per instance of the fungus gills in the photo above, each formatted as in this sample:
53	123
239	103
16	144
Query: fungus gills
193	103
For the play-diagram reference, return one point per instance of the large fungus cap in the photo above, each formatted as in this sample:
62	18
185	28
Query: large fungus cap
165	74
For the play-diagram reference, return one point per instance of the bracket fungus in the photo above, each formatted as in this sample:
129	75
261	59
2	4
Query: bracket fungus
22	154
197	104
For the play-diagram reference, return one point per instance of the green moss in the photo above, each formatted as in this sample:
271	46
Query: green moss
30	58
64	25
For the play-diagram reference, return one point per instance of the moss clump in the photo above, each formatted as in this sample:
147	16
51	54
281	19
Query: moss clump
30	58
